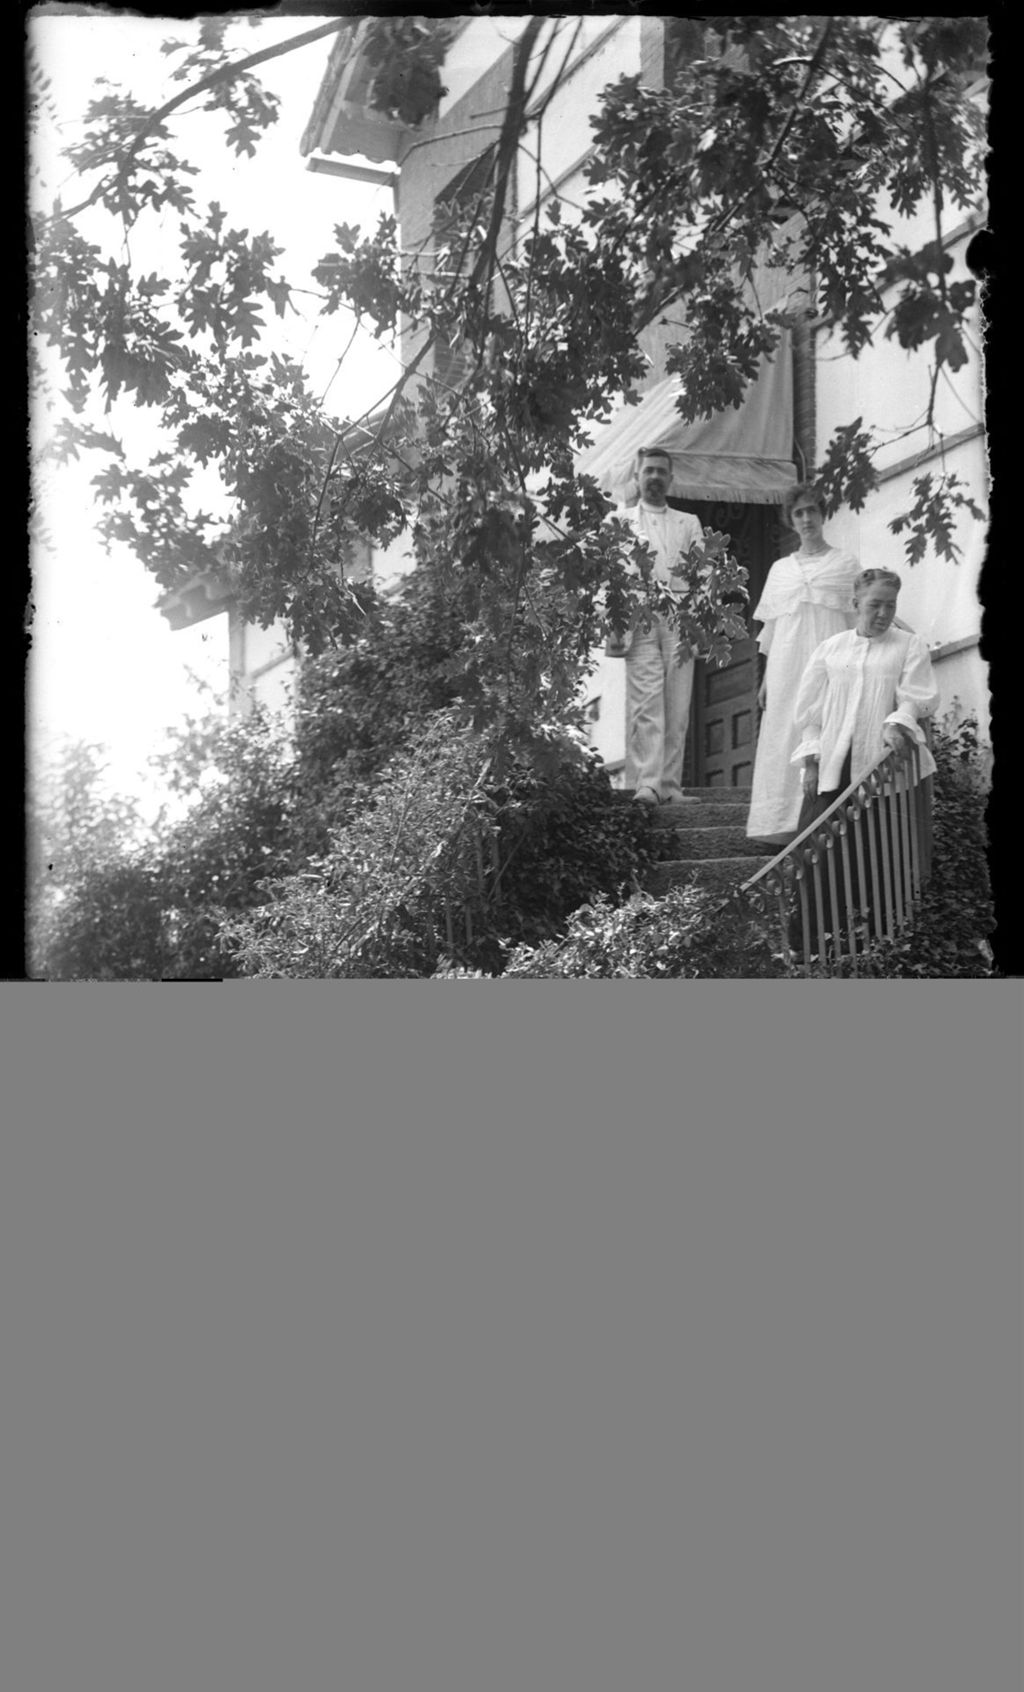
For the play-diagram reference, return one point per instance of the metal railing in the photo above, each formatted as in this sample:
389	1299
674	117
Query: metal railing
856	874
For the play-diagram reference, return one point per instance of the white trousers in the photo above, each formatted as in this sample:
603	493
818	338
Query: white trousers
658	694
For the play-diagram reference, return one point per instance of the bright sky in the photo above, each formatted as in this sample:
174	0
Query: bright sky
105	664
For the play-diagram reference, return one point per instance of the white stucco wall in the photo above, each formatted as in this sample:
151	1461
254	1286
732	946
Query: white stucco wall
262	667
273	689
963	684
889	388
566	134
483	40
473	52
391	562
608	684
264	646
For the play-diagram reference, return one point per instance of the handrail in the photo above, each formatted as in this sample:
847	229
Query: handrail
826	898
887	758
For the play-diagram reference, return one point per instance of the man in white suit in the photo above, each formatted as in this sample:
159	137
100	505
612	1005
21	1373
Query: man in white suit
658	687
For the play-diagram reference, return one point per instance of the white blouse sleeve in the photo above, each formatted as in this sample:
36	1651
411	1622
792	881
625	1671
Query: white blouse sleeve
916	692
809	711
765	612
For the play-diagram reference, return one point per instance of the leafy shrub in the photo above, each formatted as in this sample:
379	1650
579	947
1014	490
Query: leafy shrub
358	705
448	864
950	933
372	903
562	842
109	927
93	909
115	899
690	933
348	843
237	829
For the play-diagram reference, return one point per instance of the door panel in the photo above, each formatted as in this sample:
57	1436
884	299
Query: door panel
725	715
724	720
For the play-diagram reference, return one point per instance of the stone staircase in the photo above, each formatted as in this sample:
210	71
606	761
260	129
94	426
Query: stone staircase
703	839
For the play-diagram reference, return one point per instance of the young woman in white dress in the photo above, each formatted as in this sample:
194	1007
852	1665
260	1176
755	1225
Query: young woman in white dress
807	597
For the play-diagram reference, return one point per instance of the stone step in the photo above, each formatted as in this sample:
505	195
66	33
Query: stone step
710	795
698	813
715	841
721	874
720	795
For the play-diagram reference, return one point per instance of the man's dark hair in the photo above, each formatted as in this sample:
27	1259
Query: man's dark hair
653	452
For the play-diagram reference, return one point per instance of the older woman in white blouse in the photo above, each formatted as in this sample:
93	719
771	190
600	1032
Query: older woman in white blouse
863	692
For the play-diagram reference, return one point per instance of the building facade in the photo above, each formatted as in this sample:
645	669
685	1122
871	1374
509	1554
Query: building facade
732	470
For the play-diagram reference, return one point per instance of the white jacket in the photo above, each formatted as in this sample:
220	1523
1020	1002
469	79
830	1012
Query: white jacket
852	687
681	529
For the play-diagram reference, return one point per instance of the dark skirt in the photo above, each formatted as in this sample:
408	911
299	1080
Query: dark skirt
835	920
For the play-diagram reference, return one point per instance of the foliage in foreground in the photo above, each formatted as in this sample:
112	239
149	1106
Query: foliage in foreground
435	864
114	898
287	862
687	934
94	906
448	860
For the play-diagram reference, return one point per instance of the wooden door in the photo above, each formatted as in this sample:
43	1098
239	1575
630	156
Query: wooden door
724	726
723	717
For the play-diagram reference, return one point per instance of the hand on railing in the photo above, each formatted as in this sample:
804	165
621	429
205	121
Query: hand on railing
898	740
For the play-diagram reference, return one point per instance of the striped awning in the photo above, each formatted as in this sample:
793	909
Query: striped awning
742	456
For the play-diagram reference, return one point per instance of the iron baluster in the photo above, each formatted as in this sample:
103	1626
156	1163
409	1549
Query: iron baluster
882	875
842	831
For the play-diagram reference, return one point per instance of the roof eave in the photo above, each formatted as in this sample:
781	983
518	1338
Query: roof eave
197	600
341	120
